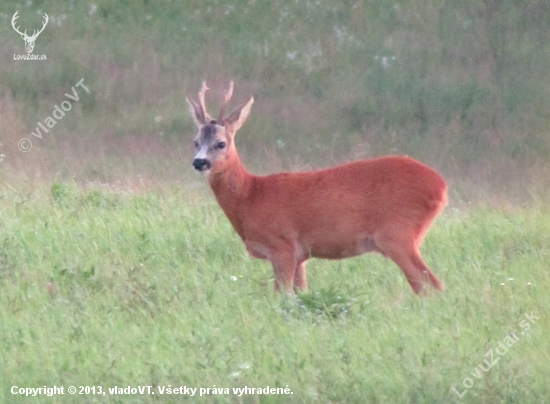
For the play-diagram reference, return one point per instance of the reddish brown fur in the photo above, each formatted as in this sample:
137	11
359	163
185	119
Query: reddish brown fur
384	204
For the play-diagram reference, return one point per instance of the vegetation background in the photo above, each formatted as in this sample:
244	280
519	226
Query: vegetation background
464	86
116	267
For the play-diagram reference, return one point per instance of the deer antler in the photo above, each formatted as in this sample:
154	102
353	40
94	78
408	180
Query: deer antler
15	17
200	108
46	19
198	111
202	103
24	34
202	92
228	93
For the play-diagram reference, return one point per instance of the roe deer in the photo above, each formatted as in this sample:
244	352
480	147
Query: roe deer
384	204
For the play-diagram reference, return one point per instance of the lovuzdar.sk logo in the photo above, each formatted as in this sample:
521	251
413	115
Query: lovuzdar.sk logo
29	39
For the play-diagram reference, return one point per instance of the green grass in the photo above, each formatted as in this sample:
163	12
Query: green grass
110	288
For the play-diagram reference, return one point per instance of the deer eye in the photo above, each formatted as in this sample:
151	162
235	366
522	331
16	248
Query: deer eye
196	144
220	145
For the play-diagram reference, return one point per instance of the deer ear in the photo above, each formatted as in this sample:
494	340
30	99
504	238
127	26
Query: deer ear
196	112
238	117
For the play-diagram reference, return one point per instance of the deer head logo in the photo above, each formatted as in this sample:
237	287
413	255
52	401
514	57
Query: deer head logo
29	40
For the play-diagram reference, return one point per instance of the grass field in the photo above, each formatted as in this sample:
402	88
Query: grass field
112	288
117	268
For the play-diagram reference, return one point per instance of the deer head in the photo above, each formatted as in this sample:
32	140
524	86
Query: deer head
29	40
215	143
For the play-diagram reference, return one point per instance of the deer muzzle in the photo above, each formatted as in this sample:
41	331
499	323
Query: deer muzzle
201	164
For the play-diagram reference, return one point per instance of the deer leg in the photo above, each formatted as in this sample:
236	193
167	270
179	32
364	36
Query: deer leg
416	271
414	276
300	278
434	280
404	253
284	266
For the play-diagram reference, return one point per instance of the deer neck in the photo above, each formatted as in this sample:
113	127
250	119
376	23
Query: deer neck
232	186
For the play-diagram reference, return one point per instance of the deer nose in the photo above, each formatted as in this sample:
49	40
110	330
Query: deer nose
201	164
